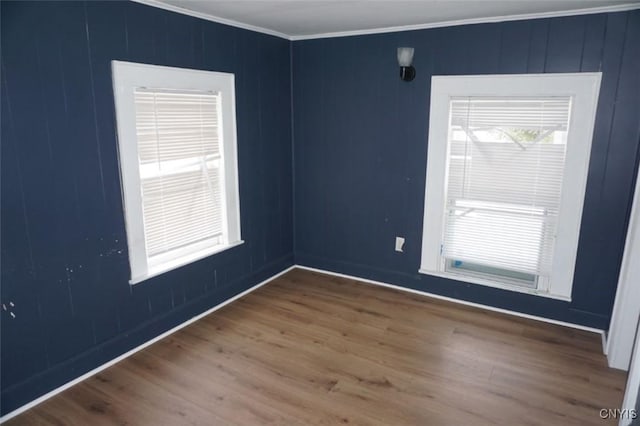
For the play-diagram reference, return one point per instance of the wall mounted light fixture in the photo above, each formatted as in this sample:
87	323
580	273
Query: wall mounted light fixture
405	57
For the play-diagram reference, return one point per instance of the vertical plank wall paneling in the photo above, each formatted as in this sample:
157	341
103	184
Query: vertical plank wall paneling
64	252
359	158
360	143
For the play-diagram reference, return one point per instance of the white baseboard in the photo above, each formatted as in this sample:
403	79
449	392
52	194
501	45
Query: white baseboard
134	350
255	287
461	302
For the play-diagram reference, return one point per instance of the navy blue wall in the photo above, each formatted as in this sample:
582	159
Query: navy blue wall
359	168
64	253
360	138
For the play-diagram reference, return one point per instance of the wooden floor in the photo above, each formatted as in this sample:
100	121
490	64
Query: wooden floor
314	349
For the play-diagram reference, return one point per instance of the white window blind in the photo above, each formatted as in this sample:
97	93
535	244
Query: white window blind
181	175
177	150
507	164
506	160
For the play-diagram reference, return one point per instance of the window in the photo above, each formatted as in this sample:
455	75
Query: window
506	174
177	151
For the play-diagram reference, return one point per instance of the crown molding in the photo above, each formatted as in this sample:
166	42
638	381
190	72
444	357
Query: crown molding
212	18
485	20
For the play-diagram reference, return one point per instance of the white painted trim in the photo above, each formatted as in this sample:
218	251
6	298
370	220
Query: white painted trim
626	309
633	382
108	364
458	301
399	28
494	284
183	261
584	89
605	349
127	76
212	18
492	19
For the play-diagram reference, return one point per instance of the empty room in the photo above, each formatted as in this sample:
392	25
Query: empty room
327	212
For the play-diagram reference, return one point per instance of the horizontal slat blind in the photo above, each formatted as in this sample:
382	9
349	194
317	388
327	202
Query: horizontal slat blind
178	150
506	162
176	125
524	113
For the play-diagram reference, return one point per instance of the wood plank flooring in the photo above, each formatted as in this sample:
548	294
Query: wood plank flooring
314	349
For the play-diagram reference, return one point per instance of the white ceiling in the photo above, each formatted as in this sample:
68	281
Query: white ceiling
311	18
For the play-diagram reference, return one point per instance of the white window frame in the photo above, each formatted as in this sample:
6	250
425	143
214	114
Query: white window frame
583	89
126	77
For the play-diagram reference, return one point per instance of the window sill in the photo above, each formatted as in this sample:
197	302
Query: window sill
489	283
183	261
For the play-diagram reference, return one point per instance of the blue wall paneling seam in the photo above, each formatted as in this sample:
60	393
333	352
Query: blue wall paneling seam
64	253
303	108
355	118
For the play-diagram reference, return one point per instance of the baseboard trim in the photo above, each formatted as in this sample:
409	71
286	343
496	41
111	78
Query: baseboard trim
108	364
458	301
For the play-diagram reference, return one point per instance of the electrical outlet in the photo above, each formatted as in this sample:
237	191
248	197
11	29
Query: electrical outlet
399	244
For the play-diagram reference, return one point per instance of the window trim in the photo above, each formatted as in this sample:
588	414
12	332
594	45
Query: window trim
584	89
126	77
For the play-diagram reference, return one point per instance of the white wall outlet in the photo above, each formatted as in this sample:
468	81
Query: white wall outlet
399	243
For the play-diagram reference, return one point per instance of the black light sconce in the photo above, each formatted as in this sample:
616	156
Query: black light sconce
405	57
